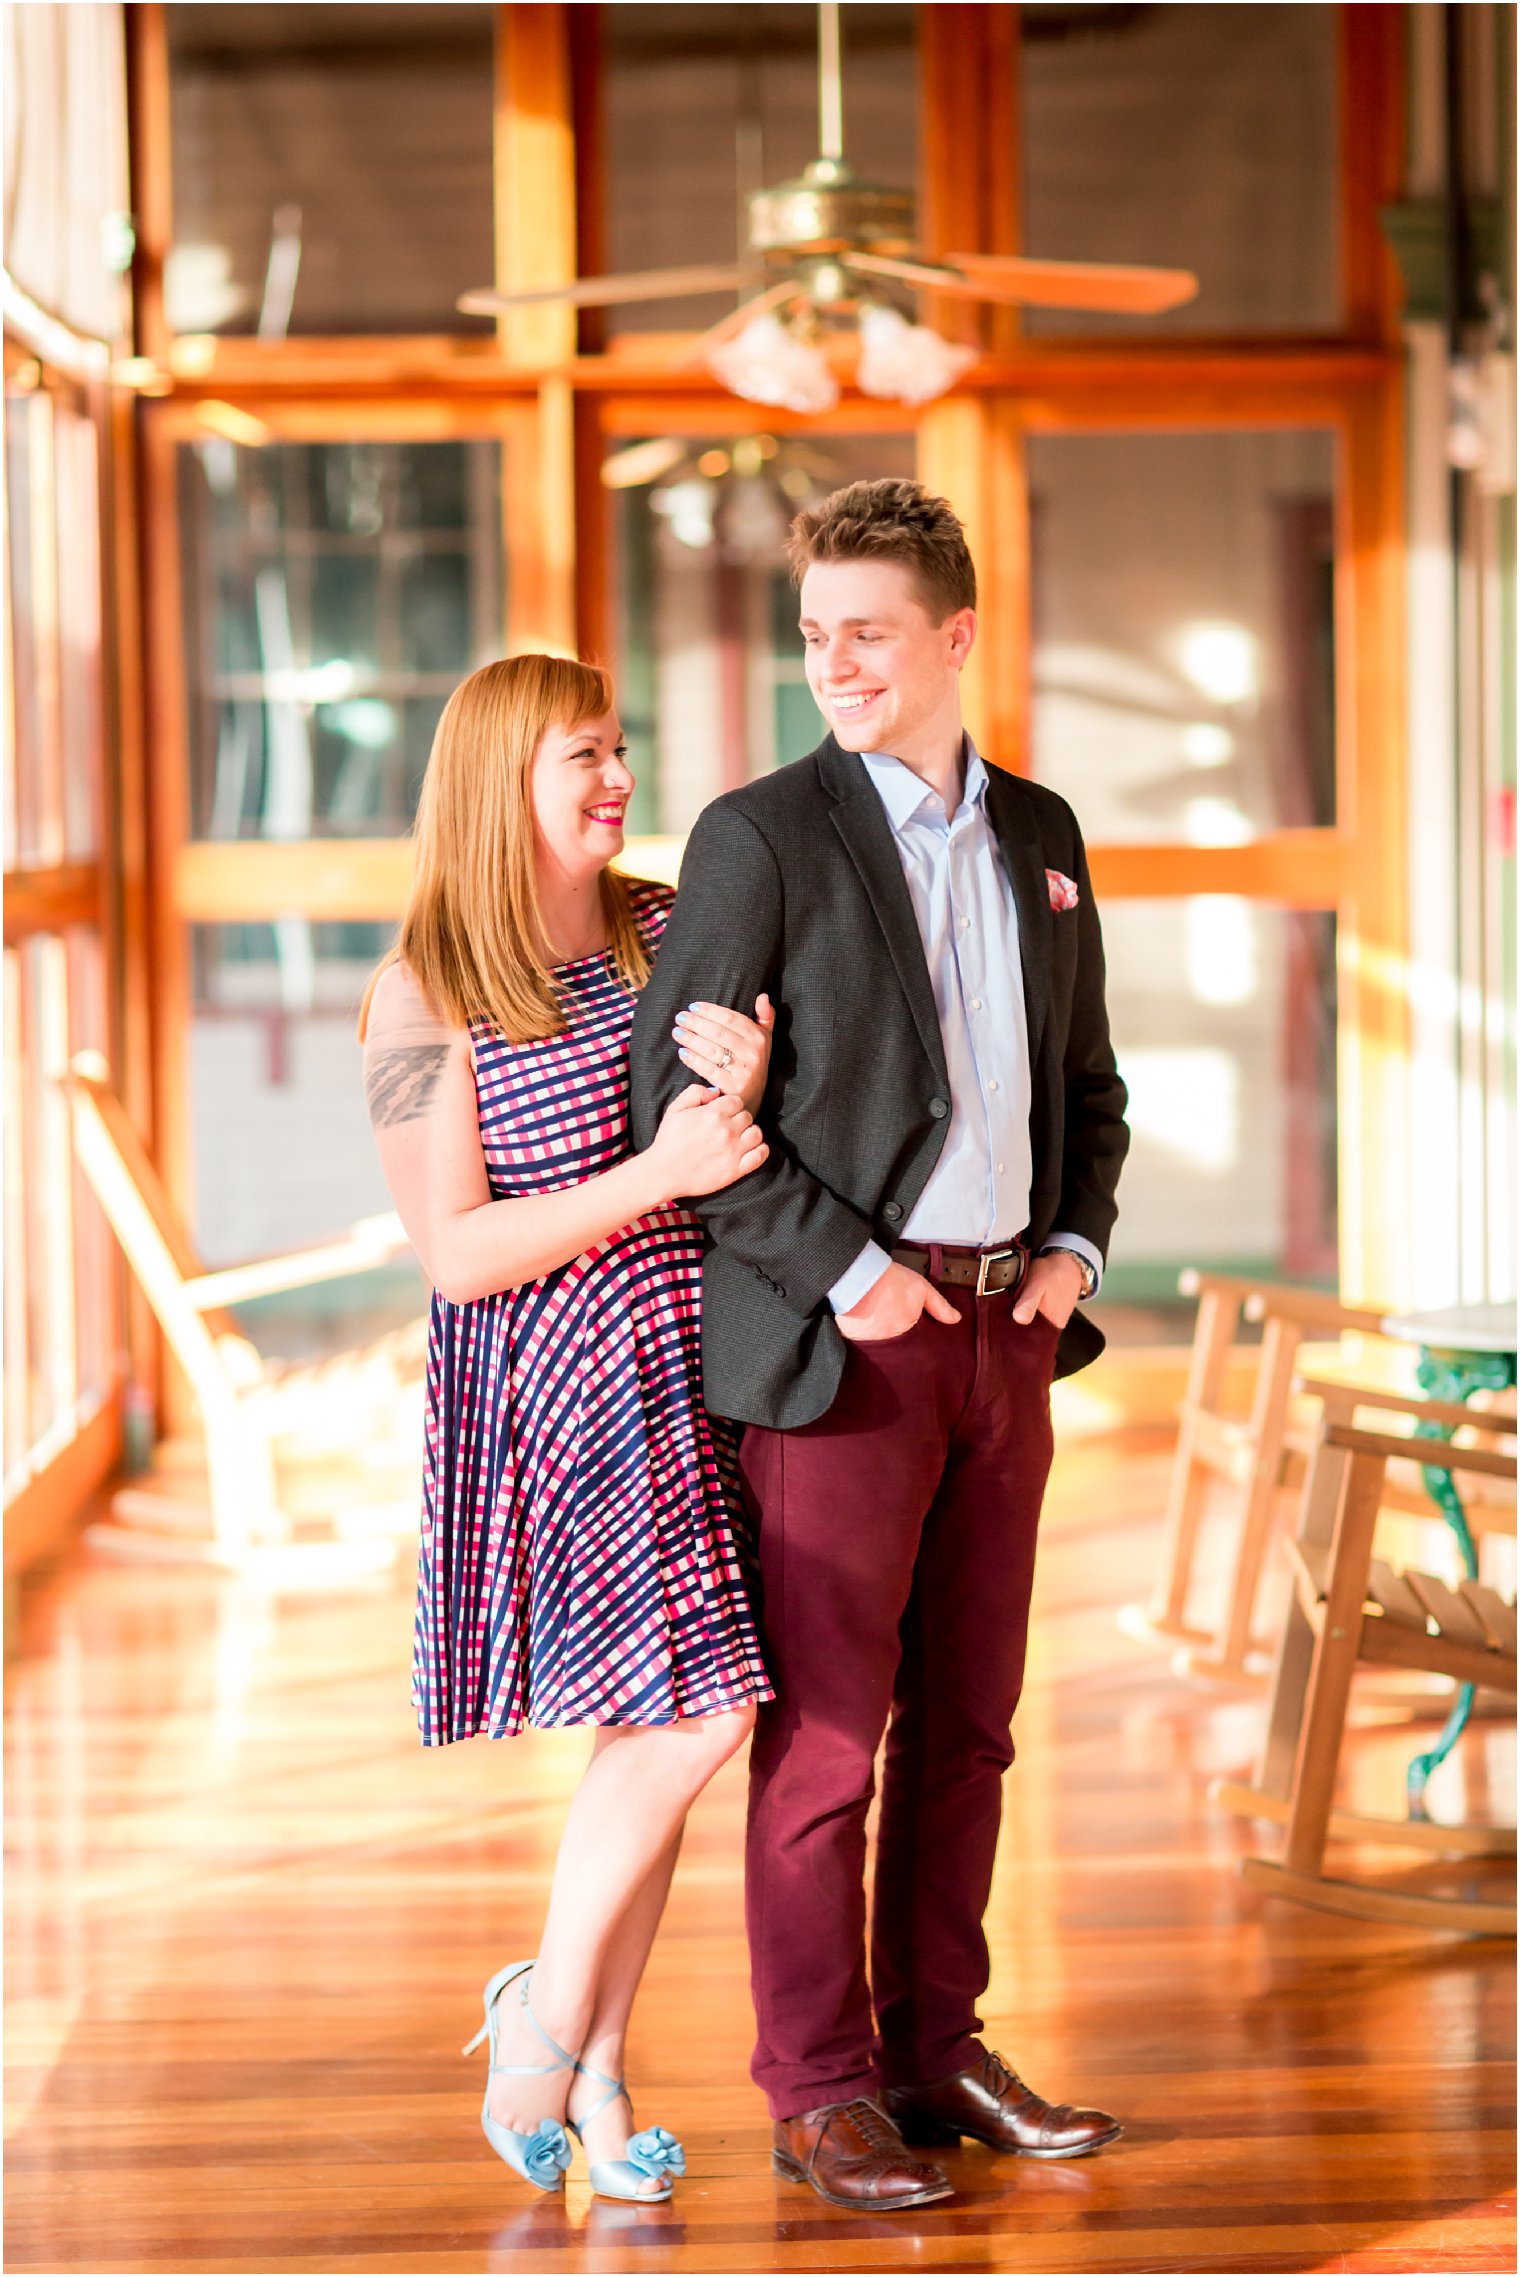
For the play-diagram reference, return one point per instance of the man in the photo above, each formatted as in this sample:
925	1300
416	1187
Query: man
885	1302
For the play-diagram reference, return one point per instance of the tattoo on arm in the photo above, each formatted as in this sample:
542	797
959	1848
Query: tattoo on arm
400	1082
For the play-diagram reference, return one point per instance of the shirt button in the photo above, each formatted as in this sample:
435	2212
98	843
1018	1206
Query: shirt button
976	1004
1000	1170
965	924
992	1083
939	1109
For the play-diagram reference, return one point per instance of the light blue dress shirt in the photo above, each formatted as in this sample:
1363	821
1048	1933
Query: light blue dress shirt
977	1196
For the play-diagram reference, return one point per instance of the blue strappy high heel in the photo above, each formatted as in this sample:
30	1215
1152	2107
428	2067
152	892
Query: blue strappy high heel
542	2156
653	2156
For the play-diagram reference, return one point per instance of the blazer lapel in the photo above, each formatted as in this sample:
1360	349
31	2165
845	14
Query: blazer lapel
1024	854
861	820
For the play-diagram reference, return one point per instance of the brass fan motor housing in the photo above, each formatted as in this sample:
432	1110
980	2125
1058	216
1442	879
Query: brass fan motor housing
830	208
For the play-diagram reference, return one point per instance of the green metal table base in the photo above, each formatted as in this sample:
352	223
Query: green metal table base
1454	1376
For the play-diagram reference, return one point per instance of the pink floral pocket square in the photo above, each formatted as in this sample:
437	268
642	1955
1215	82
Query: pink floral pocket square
1063	890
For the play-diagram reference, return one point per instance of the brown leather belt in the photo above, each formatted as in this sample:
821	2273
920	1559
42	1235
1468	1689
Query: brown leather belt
990	1272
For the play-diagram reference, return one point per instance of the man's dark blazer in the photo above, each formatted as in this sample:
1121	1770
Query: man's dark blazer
793	884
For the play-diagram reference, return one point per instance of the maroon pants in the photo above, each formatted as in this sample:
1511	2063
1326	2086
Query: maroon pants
897	1538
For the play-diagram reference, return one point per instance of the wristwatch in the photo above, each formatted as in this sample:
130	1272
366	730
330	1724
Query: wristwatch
1089	1277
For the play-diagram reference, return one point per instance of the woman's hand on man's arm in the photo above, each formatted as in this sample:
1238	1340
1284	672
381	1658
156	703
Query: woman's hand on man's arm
727	1050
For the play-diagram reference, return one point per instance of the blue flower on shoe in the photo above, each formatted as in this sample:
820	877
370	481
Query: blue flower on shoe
656	2153
546	2153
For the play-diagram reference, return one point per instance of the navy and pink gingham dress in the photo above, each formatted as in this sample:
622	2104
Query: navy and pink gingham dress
582	1561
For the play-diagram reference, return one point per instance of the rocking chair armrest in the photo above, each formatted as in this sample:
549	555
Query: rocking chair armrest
1270	1300
1430	1454
371	1242
1336	1392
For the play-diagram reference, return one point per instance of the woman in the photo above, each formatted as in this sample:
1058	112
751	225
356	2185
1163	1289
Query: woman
579	1557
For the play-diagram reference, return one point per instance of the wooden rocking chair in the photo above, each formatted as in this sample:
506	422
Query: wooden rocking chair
1350	1610
1262	1454
255	1499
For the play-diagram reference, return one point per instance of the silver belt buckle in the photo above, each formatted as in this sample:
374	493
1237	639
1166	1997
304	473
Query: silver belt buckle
991	1257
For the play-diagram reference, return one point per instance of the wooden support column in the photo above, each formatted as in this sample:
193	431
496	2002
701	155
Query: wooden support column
968	125
167	788
536	245
1373	946
148	154
1372	730
1372	112
971	451
971	447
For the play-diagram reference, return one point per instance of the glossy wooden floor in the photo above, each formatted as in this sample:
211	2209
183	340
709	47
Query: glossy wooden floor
248	1921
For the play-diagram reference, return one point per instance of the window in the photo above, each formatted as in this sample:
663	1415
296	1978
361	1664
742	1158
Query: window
1223	1019
52	763
336	594
1196	137
1184	630
282	1146
331	167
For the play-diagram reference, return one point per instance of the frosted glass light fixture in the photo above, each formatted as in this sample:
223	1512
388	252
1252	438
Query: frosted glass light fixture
766	362
907	362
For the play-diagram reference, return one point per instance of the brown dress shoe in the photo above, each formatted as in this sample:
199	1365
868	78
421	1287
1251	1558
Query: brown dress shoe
992	2104
854	2157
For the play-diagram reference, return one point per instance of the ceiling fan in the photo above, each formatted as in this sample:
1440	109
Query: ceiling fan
824	249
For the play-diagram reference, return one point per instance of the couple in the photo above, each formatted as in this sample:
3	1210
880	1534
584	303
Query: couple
856	1225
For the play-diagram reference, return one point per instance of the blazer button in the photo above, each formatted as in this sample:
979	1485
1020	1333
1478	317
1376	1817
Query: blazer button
892	1211
939	1109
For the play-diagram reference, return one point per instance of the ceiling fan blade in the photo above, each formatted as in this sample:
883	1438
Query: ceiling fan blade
605	292
737	318
906	272
639	463
1123	287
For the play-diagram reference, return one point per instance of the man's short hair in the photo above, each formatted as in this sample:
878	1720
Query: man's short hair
890	520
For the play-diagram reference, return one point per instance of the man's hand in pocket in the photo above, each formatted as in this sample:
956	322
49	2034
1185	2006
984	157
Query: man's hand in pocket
892	1306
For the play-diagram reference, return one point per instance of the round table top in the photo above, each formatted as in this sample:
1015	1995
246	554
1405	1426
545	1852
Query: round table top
1457	1328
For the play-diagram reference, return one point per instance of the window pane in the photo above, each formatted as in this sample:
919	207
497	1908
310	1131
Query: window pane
1196	137
704	104
60	1321
711	687
21	729
80	639
283	1151
1183	631
55	725
332	167
97	1318
335	594
34	796
18	1355
1223	1015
